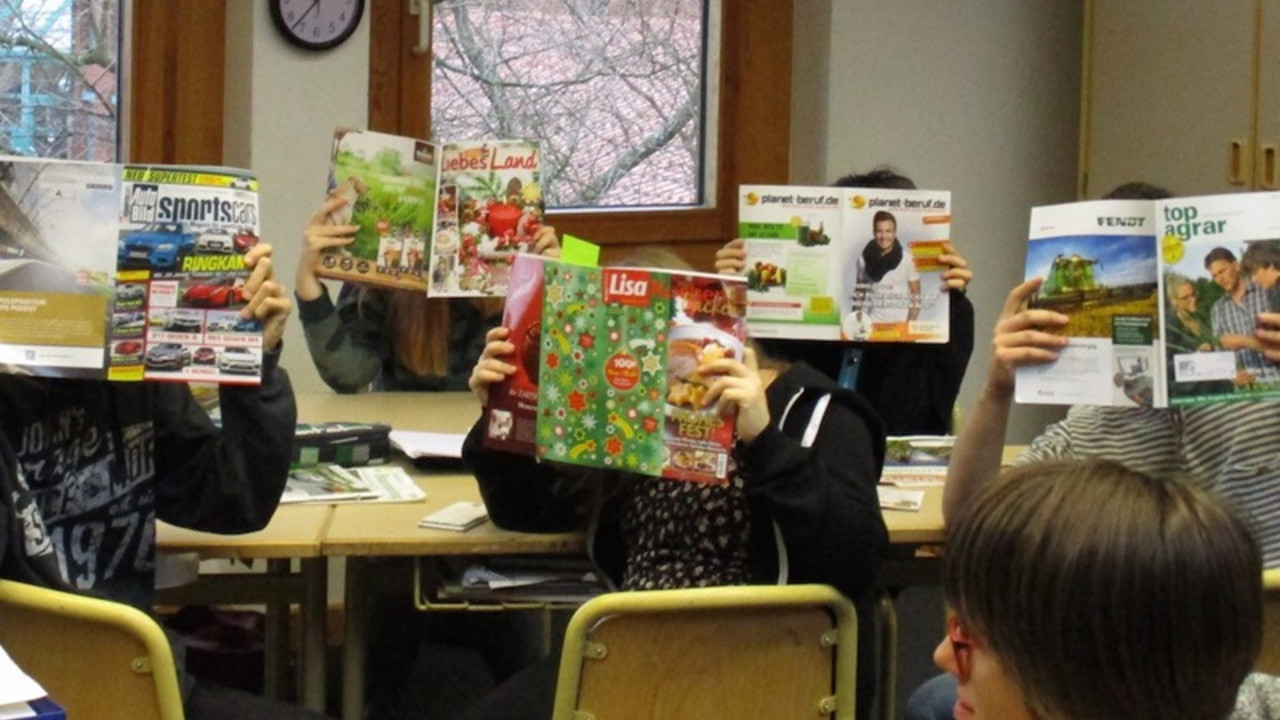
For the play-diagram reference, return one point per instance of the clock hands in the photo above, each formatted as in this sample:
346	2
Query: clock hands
314	4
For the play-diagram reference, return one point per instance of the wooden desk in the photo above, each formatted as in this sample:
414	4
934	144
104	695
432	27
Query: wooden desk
360	531
295	532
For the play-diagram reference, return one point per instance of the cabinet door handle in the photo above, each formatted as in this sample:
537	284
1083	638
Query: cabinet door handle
1235	166
1268	180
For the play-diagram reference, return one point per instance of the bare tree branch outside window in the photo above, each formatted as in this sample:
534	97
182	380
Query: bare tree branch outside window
612	89
59	63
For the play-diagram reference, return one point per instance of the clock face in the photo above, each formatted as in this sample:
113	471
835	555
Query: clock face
317	24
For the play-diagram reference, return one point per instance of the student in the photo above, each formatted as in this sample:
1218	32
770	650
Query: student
1116	596
88	466
1230	448
800	506
394	340
913	386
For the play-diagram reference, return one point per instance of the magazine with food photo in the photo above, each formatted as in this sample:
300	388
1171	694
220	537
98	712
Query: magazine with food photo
616	382
127	272
444	219
830	263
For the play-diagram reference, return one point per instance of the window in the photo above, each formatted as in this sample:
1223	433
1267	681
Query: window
612	89
59	69
747	125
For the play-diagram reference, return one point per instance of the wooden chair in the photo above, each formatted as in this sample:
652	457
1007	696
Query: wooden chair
739	652
100	660
1269	658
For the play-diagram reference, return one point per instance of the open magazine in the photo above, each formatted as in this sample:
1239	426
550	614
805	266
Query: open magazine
443	219
1162	306
830	263
127	272
607	368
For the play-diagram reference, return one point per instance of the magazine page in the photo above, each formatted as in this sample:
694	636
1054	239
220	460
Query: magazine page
127	272
897	293
389	183
183	236
917	460
1098	262
57	268
707	323
511	415
1218	256
488	209
326	482
618	382
828	263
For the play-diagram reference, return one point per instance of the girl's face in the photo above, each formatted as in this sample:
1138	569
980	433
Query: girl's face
984	690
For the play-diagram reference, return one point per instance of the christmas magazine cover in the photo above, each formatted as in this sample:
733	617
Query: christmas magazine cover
618	354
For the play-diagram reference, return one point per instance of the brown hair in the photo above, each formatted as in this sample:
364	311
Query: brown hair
1107	593
1260	254
420	328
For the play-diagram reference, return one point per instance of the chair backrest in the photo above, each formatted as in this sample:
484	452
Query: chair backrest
1269	659
739	652
99	659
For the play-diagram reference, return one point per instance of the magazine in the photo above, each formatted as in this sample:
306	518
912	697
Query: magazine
607	368
1161	310
916	460
830	263
444	219
127	272
330	482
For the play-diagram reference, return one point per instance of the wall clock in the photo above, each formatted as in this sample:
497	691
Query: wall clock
316	24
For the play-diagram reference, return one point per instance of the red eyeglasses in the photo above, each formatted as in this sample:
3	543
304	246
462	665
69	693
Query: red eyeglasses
961	647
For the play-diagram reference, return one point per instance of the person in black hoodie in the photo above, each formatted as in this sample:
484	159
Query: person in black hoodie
913	386
88	466
800	505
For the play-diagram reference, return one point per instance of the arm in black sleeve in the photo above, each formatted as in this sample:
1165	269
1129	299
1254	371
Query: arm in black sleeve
224	480
823	498
519	492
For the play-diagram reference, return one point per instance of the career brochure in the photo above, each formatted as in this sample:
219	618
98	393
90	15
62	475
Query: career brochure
830	263
445	219
607	366
1149	326
127	272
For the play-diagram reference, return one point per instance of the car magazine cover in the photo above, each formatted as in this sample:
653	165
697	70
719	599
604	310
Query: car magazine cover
127	272
445	219
1098	261
489	207
831	263
618	352
1220	260
389	183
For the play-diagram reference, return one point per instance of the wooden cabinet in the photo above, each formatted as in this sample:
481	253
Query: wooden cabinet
1180	93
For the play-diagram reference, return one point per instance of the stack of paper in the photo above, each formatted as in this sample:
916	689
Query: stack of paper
460	516
334	483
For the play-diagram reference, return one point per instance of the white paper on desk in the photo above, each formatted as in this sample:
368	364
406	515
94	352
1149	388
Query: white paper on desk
894	498
392	484
428	444
15	685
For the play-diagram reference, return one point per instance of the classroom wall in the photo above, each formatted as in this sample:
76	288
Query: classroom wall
282	105
978	98
981	100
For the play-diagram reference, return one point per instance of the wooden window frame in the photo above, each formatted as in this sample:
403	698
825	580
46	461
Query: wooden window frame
753	146
175	81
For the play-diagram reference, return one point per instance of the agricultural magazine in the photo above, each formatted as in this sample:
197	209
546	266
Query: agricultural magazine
1220	258
1161	300
127	272
445	219
830	263
607	368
